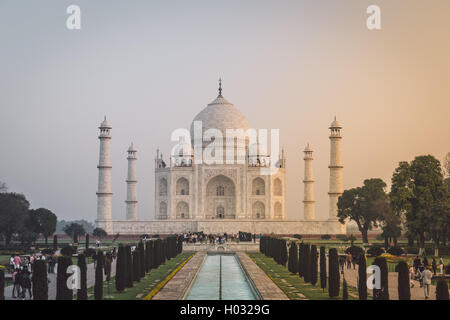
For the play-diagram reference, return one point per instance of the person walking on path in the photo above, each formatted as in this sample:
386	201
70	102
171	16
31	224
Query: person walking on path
25	282
426	280
16	283
434	266
417	264
411	276
441	265
349	260
17	261
12	265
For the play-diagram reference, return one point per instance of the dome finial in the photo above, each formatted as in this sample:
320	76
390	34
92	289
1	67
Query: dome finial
220	87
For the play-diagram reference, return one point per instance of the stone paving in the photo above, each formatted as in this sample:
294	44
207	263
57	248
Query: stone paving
178	285
266	287
52	284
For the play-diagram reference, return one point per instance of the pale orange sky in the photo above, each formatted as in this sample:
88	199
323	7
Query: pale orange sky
151	66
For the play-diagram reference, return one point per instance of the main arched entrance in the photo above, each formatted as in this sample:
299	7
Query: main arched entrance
220	198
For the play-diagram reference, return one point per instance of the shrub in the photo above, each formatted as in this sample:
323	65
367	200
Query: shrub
441	290
129	269
396	251
55	243
323	268
62	292
325	237
48	251
68	251
98	287
39	280
301	256
121	266
297	236
2	285
342	237
362	278
404	292
313	265
90	252
141	251
344	290
333	271
82	292
306	262
375	251
136	266
355	251
293	258
87	241
383	292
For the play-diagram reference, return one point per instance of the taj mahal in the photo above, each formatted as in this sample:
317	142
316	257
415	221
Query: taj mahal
241	188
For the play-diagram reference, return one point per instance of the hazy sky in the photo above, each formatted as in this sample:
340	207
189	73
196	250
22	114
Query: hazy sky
151	66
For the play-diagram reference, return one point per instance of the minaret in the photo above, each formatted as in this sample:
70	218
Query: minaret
104	195
131	184
308	202
335	168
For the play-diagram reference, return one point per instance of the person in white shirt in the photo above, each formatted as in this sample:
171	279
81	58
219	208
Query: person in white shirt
411	276
441	265
426	276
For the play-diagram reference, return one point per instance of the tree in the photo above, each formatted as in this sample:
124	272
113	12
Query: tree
307	265
365	205
404	292
40	281
129	276
82	292
55	243
74	230
3	187
441	290
344	290
13	212
141	251
46	222
98	287
293	258
136	266
333	271
301	271
2	284
313	265
418	192
87	241
62	291
362	277
121	268
323	268
383	292
99	233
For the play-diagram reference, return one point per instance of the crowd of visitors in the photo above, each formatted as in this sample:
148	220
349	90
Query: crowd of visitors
202	238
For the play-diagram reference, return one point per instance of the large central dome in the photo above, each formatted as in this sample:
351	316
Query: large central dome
222	115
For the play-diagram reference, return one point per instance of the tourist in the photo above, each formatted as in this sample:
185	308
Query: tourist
411	276
421	270
97	243
441	265
16	282
17	261
12	265
349	260
417	262
341	264
426	276
25	282
434	266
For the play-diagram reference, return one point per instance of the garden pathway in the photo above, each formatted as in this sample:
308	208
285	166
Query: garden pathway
52	284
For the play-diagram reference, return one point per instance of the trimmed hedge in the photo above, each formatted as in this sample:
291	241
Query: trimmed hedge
396	251
375	251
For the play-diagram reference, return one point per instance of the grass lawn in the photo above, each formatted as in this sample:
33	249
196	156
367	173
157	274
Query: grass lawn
142	288
291	284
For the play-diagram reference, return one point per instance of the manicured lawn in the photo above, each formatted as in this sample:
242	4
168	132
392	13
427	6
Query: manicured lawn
147	284
291	284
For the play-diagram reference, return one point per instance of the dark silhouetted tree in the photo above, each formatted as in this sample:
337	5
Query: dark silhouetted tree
62	291
313	265
323	268
293	258
307	264
362	277
442	290
404	293
129	276
121	268
82	292
98	288
40	282
333	273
